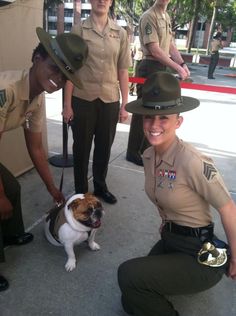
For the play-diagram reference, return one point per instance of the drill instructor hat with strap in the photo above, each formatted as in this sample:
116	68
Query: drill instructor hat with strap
161	95
68	51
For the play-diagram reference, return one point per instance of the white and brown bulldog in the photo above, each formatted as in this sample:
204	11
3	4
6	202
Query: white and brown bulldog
73	223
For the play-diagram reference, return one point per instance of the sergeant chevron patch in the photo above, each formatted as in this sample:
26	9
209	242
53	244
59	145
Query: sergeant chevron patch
209	171
2	97
148	29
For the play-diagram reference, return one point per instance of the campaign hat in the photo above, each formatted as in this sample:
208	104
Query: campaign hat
161	94
69	52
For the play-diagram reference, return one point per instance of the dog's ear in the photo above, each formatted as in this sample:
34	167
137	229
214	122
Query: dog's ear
91	199
74	204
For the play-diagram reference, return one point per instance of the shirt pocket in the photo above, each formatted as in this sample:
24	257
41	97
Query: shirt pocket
161	28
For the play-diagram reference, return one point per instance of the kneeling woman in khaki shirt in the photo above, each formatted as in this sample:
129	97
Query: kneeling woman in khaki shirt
182	183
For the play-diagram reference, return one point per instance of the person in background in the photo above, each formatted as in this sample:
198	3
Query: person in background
216	44
95	107
182	183
138	54
22	104
159	52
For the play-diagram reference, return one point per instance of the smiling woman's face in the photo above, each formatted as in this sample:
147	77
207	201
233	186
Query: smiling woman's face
160	129
47	74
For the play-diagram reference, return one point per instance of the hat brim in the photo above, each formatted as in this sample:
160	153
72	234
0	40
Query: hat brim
45	40
136	107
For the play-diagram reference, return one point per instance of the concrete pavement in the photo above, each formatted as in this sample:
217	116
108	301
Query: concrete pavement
39	284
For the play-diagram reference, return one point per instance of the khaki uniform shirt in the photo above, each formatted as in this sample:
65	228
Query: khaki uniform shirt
216	45
108	52
15	107
155	28
183	184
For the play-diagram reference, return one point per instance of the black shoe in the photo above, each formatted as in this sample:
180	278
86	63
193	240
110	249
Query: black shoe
18	240
106	196
135	159
211	77
3	283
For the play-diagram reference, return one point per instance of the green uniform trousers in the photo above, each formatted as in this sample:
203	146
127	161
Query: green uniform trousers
136	66
171	268
14	225
137	142
213	63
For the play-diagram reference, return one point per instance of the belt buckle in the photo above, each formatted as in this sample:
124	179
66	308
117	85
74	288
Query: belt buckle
196	232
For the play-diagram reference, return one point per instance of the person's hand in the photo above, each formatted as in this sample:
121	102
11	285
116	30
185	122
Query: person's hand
183	74
232	269
5	208
123	116
57	195
67	114
185	67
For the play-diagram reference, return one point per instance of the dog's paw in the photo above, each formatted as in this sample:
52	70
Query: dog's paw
94	246
70	265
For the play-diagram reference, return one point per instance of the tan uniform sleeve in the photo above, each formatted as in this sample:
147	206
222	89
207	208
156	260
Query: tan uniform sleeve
205	179
148	27
124	56
77	29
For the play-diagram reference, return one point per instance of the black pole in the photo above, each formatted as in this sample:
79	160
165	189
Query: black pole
65	160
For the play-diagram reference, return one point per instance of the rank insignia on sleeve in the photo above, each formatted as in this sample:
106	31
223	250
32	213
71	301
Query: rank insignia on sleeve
209	171
148	29
2	97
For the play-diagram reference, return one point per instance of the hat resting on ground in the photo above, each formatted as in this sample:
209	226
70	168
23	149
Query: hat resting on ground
161	94
68	51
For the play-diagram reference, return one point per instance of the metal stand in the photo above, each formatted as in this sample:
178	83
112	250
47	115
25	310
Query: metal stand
64	160
60	161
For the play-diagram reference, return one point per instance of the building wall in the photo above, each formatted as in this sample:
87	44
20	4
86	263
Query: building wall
18	39
67	14
17	32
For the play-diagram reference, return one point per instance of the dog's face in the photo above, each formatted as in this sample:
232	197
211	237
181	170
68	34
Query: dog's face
88	211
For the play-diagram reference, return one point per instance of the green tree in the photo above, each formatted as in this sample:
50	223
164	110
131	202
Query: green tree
131	10
226	16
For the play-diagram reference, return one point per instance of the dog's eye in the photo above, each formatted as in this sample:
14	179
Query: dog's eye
90	210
